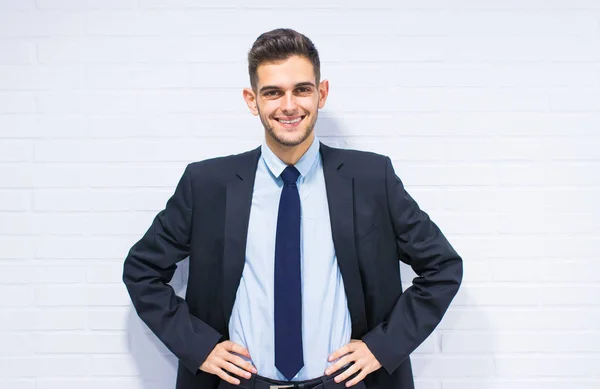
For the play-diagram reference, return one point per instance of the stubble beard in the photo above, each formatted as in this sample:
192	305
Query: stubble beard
290	142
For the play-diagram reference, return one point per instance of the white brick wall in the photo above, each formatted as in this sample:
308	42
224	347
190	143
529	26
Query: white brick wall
489	109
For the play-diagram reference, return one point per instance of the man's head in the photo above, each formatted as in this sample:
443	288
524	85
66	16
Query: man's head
279	45
286	90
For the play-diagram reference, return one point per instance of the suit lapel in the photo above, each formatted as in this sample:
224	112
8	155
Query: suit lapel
237	216
340	197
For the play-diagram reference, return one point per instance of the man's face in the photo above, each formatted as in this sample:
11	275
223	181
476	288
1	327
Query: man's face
287	100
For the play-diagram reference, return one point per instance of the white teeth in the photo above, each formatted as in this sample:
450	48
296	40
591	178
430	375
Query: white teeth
291	121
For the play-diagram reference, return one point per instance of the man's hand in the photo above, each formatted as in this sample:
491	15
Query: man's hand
364	362
223	359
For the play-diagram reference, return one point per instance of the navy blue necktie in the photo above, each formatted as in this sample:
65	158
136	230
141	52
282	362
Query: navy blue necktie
288	294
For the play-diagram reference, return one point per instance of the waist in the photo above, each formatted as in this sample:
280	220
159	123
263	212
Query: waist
325	381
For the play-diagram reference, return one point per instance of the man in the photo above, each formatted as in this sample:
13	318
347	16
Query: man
294	252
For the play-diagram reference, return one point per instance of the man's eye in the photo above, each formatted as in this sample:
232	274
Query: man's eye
270	93
303	90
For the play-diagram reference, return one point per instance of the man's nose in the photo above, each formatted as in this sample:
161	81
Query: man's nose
288	104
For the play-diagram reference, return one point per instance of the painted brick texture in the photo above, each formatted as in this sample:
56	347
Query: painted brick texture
489	110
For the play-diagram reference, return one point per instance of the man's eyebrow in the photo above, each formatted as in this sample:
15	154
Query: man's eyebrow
270	87
306	83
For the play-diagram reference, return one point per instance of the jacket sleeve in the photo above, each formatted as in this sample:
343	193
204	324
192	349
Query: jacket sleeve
149	267
439	270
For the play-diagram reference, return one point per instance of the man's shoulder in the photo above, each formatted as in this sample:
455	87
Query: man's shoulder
358	160
224	163
362	155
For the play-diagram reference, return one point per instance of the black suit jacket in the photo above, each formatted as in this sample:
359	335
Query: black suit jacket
374	222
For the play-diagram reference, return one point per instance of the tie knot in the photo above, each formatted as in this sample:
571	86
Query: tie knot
290	175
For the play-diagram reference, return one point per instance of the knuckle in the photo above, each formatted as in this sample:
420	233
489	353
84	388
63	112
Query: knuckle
211	367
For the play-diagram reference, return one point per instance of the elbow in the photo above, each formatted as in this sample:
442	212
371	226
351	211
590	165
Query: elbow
454	270
458	270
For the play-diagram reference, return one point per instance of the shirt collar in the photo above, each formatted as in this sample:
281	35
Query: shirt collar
276	165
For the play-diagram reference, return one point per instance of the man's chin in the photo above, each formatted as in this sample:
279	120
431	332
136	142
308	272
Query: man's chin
290	140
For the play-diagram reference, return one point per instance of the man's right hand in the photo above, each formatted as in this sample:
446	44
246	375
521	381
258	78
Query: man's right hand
223	359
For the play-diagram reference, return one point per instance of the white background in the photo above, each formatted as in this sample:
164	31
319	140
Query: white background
490	111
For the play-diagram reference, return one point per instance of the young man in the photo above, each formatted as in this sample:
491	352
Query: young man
294	252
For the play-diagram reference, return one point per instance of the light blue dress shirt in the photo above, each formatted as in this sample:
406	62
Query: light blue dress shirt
326	324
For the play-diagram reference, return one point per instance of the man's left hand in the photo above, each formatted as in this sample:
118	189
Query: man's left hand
364	362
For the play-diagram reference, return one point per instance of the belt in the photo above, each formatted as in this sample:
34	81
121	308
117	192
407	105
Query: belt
323	382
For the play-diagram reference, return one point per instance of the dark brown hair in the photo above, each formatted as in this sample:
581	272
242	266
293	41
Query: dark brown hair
278	45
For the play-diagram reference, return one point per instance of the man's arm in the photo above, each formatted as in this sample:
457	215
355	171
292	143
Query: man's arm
420	308
149	267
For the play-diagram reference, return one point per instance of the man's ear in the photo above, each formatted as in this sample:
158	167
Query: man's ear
323	92
250	98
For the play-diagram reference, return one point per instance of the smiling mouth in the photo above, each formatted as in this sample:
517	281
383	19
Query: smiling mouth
291	122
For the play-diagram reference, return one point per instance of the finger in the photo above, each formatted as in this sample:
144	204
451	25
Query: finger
339	352
361	376
242	363
226	377
231	368
346	359
351	370
238	349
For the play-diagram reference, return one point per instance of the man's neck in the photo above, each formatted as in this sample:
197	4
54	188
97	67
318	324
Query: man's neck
289	154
